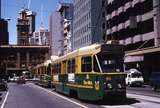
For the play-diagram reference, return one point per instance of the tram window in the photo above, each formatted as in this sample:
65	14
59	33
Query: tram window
108	63
59	67
71	66
86	64
55	68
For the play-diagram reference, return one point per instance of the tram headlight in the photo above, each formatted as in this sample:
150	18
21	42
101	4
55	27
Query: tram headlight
119	86
109	86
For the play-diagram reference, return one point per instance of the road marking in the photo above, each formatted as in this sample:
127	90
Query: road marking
62	97
5	99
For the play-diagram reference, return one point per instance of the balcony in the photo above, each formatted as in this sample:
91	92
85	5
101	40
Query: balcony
121	9
129	41
139	18
114	29
121	26
134	2
127	5
108	17
127	23
122	42
148	36
137	38
114	13
147	16
108	31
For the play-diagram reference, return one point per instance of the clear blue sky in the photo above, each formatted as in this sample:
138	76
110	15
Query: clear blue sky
11	8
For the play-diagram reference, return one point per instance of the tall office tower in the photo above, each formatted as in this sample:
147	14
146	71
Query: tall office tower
32	21
4	35
56	33
66	12
25	26
88	22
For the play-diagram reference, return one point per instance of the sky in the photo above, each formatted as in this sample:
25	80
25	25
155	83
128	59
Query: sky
11	9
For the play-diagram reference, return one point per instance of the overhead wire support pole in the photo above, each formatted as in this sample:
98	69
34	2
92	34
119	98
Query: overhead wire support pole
98	64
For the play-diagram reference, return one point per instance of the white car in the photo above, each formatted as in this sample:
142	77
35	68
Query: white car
134	78
14	79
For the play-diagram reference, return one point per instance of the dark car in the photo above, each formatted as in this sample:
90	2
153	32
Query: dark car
155	80
21	80
3	85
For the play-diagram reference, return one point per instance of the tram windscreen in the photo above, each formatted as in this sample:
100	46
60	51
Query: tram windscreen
108	63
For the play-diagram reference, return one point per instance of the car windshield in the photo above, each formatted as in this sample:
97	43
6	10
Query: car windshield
136	75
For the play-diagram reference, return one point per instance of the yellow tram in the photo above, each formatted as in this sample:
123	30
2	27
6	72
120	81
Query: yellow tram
90	73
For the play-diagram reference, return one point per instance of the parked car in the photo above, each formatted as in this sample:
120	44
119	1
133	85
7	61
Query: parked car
134	78
13	79
21	80
3	85
155	80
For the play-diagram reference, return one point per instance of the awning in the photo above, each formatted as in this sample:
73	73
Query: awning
142	51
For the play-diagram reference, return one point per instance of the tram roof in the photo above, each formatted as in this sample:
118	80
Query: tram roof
88	50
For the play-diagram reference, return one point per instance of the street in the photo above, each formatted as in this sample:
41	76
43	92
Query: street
32	96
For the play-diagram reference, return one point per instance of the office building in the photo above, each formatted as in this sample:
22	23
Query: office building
66	12
88	22
56	33
136	24
4	34
32	21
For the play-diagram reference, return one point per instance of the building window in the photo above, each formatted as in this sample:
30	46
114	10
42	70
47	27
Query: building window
103	26
147	6
103	14
147	26
103	3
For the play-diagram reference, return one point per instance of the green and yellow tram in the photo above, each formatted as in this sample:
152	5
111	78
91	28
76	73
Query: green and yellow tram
42	74
91	73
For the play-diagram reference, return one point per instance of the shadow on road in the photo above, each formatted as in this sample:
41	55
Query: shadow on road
127	101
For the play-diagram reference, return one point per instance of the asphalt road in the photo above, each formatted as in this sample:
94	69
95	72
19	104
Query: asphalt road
145	90
32	96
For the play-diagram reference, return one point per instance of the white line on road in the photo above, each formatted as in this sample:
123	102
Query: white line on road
62	97
5	99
